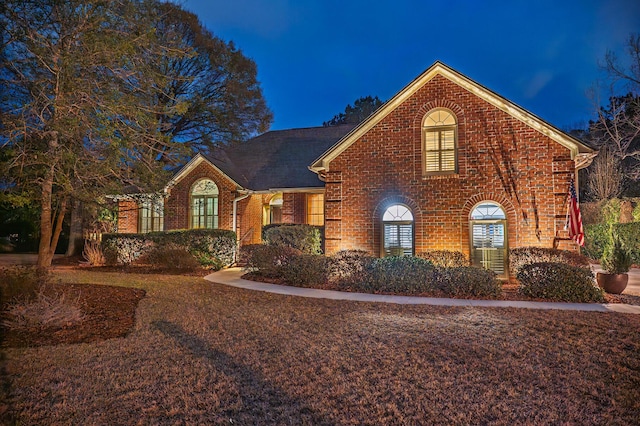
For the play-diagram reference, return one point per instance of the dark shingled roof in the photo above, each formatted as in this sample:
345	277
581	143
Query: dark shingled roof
278	159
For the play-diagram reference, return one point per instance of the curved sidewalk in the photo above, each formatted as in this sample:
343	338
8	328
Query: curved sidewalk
232	277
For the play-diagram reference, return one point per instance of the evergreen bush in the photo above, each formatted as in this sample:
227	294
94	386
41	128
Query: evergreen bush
306	238
469	281
445	258
560	282
522	256
347	268
306	270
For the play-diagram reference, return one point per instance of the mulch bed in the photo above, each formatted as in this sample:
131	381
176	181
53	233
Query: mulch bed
109	312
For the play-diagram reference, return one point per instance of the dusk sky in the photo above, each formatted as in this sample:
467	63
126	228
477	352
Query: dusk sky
315	57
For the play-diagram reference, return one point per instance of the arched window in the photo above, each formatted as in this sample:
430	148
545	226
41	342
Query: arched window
397	233
488	229
204	204
272	212
440	142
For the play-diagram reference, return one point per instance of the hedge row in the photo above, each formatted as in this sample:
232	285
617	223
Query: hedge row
355	270
596	238
212	248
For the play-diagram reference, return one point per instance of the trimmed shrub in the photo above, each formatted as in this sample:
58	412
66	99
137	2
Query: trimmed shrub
559	281
124	249
445	258
269	261
306	238
213	248
306	270
522	256
347	268
402	274
469	281
171	257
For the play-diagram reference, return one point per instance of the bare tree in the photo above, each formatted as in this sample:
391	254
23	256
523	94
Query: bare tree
605	176
617	127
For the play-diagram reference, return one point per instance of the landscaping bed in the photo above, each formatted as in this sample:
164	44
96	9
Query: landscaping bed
202	353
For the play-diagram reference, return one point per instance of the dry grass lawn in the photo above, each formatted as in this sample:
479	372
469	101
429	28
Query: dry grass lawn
203	353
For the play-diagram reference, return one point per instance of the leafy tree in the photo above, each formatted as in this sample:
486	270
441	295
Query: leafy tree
211	95
361	109
78	103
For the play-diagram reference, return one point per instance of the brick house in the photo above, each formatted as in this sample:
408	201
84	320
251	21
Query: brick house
444	164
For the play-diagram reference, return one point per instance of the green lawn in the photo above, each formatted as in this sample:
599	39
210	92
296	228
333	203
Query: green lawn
204	353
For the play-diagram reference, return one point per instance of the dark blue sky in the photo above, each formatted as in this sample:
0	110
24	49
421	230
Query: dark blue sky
315	57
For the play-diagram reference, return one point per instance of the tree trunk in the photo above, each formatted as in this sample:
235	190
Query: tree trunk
46	226
75	229
50	231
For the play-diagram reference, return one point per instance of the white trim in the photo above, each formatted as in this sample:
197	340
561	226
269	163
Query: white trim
438	68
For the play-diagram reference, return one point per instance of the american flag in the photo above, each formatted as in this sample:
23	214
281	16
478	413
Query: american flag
574	220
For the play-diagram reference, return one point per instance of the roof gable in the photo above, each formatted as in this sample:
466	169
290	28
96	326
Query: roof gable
574	145
190	166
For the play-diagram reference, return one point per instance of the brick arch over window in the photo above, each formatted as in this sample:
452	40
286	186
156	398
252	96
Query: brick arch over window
510	211
417	126
381	208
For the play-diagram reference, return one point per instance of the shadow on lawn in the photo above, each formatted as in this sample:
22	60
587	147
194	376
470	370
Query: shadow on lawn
261	402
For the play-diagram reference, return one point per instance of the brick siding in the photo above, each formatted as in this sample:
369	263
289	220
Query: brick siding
499	159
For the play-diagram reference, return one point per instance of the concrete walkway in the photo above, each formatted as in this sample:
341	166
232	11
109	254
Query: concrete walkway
232	277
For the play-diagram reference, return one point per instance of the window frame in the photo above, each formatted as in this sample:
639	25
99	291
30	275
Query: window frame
203	200
311	214
155	217
399	224
439	131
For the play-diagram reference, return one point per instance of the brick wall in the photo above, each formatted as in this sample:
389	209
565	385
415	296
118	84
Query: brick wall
127	216
499	159
250	219
176	214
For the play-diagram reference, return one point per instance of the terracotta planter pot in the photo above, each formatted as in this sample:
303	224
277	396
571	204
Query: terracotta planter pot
612	283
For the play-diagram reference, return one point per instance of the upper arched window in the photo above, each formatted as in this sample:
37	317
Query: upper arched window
440	142
204	204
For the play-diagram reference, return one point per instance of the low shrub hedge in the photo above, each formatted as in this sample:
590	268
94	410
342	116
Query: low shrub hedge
306	238
559	281
347	268
402	274
445	258
173	257
268	261
306	270
213	248
124	249
469	281
522	256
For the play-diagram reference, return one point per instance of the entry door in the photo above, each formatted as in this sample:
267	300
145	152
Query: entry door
488	245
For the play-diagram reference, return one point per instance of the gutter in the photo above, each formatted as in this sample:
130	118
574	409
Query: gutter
235	210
